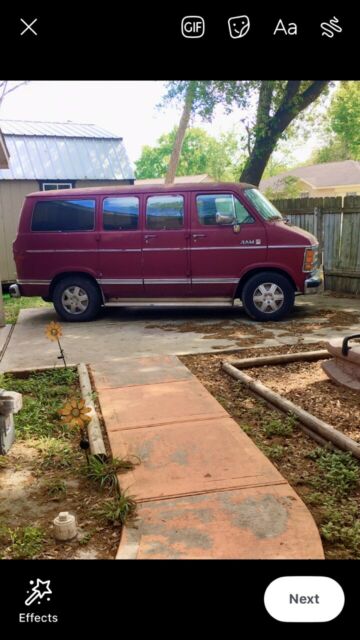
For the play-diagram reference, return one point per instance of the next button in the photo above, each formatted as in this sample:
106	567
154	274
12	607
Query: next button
304	599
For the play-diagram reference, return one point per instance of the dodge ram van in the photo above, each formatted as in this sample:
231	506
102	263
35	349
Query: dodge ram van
173	245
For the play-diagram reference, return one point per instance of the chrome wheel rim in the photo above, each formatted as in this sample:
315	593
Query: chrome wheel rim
75	300
268	297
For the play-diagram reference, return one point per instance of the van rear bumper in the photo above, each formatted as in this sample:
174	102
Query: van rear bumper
314	284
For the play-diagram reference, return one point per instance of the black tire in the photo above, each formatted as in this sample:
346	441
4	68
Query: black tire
85	294
268	296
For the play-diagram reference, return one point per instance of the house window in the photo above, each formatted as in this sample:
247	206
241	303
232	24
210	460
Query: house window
305	194
165	212
53	186
351	193
64	215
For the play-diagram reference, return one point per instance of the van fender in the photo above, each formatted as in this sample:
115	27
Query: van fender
67	272
252	269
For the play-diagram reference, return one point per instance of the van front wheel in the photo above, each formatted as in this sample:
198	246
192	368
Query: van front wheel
76	299
268	296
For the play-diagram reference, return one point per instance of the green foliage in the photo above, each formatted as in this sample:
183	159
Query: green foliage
345	116
119	510
56	453
274	105
287	187
340	472
201	153
274	451
343	126
44	393
105	472
12	306
26	542
275	426
55	488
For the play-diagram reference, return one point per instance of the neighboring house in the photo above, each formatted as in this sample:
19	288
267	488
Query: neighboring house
53	155
318	180
202	177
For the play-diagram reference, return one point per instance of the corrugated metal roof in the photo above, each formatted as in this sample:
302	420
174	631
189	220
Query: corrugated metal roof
60	129
46	158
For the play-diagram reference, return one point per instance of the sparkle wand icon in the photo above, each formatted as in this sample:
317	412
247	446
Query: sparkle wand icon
38	591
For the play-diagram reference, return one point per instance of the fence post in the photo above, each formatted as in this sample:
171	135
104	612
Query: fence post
319	232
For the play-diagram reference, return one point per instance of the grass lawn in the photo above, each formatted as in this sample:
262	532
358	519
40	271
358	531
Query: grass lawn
12	306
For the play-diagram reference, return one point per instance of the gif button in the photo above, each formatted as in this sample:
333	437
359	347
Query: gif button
304	599
193	27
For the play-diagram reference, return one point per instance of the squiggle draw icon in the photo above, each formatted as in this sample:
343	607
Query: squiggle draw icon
38	591
330	27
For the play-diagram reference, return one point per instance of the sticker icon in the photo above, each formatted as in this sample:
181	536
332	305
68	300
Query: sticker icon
38	591
329	28
239	26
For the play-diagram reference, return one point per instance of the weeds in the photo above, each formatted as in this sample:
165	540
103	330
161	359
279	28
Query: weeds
26	542
274	451
56	453
340	472
44	392
275	426
55	488
119	510
105	473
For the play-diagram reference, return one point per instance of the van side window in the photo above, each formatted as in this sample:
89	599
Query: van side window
63	215
120	214
165	212
208	205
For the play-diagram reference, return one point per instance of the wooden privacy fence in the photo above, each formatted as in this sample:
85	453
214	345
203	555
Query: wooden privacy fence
336	224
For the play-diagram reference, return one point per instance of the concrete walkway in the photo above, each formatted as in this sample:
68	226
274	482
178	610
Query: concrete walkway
119	333
204	490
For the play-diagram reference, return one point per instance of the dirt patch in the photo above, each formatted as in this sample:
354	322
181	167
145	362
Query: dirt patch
304	324
307	385
289	449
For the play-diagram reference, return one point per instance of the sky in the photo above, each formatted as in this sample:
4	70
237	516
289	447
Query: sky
126	108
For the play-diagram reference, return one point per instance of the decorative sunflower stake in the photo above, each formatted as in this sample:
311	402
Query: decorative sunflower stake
74	413
53	332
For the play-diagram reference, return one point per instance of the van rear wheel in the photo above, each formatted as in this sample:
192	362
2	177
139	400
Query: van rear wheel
268	296
76	299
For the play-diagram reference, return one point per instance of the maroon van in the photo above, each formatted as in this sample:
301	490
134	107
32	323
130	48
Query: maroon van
175	245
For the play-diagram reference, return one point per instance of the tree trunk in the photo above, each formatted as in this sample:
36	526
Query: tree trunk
269	129
180	135
256	163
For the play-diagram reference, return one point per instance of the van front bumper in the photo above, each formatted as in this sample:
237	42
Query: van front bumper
14	291
315	283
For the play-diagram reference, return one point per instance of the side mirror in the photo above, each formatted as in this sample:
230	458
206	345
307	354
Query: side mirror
222	218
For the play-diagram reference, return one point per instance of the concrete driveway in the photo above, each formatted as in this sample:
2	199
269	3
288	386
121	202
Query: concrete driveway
119	333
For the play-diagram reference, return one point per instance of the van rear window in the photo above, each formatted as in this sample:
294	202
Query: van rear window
63	215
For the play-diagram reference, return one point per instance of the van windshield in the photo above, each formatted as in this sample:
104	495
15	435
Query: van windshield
262	205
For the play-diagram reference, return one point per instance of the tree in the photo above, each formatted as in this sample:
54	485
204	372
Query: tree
342	130
5	88
201	153
277	105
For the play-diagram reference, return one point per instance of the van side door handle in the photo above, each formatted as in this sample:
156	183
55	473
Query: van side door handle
198	235
149	236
